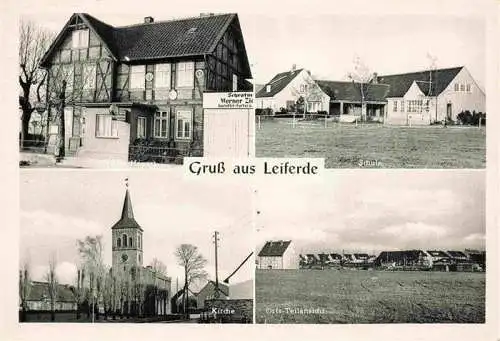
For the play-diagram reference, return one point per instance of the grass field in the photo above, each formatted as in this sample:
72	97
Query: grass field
346	296
374	145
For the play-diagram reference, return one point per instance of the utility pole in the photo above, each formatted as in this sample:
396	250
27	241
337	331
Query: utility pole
216	239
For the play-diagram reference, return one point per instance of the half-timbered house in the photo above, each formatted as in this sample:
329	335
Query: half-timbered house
136	92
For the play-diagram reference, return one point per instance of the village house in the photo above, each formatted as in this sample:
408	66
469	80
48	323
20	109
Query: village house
277	255
208	292
39	297
136	92
431	96
285	89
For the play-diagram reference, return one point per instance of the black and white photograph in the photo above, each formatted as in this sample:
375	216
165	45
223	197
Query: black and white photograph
392	91
134	247
371	247
114	91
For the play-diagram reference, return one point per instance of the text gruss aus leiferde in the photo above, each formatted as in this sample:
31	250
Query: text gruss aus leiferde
269	168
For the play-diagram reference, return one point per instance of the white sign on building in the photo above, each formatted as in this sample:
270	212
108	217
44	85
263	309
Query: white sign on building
228	100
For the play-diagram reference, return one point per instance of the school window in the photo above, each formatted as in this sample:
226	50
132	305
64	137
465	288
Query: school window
137	74
141	127
162	76
395	107
89	76
161	124
426	105
457	87
185	74
106	126
80	39
402	106
183	125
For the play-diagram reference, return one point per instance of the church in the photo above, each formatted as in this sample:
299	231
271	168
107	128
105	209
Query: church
153	296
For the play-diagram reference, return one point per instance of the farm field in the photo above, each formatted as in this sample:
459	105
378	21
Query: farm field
360	296
373	145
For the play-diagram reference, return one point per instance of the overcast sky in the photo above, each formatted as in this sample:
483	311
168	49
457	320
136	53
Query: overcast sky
59	207
371	211
324	42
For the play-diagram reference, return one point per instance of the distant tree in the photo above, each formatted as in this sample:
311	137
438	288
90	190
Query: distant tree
193	264
91	252
362	78
79	291
25	286
33	42
52	284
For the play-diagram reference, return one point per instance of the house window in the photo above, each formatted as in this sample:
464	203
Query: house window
162	76
68	74
395	107
402	106
183	125
462	87
141	127
457	87
89	74
106	126
161	124
137	75
468	88
235	83
185	74
80	39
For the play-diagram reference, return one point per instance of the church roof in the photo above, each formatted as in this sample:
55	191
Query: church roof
127	219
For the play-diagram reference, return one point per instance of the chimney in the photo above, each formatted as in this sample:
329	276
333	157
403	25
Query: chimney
375	78
294	68
149	20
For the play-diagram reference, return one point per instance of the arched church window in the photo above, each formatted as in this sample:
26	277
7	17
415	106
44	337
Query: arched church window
130	241
119	242
124	237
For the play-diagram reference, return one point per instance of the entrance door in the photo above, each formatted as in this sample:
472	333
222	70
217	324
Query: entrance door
448	111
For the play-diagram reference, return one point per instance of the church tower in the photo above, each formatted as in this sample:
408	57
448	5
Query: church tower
127	238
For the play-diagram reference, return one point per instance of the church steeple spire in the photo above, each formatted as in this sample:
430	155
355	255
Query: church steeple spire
127	219
127	211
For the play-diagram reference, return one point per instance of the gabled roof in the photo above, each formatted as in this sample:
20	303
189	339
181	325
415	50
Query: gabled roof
40	291
278	83
127	219
194	36
211	286
274	248
349	91
401	83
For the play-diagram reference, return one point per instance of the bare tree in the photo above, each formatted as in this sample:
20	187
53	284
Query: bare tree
107	291
24	289
79	291
52	285
361	78
193	263
33	42
91	251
